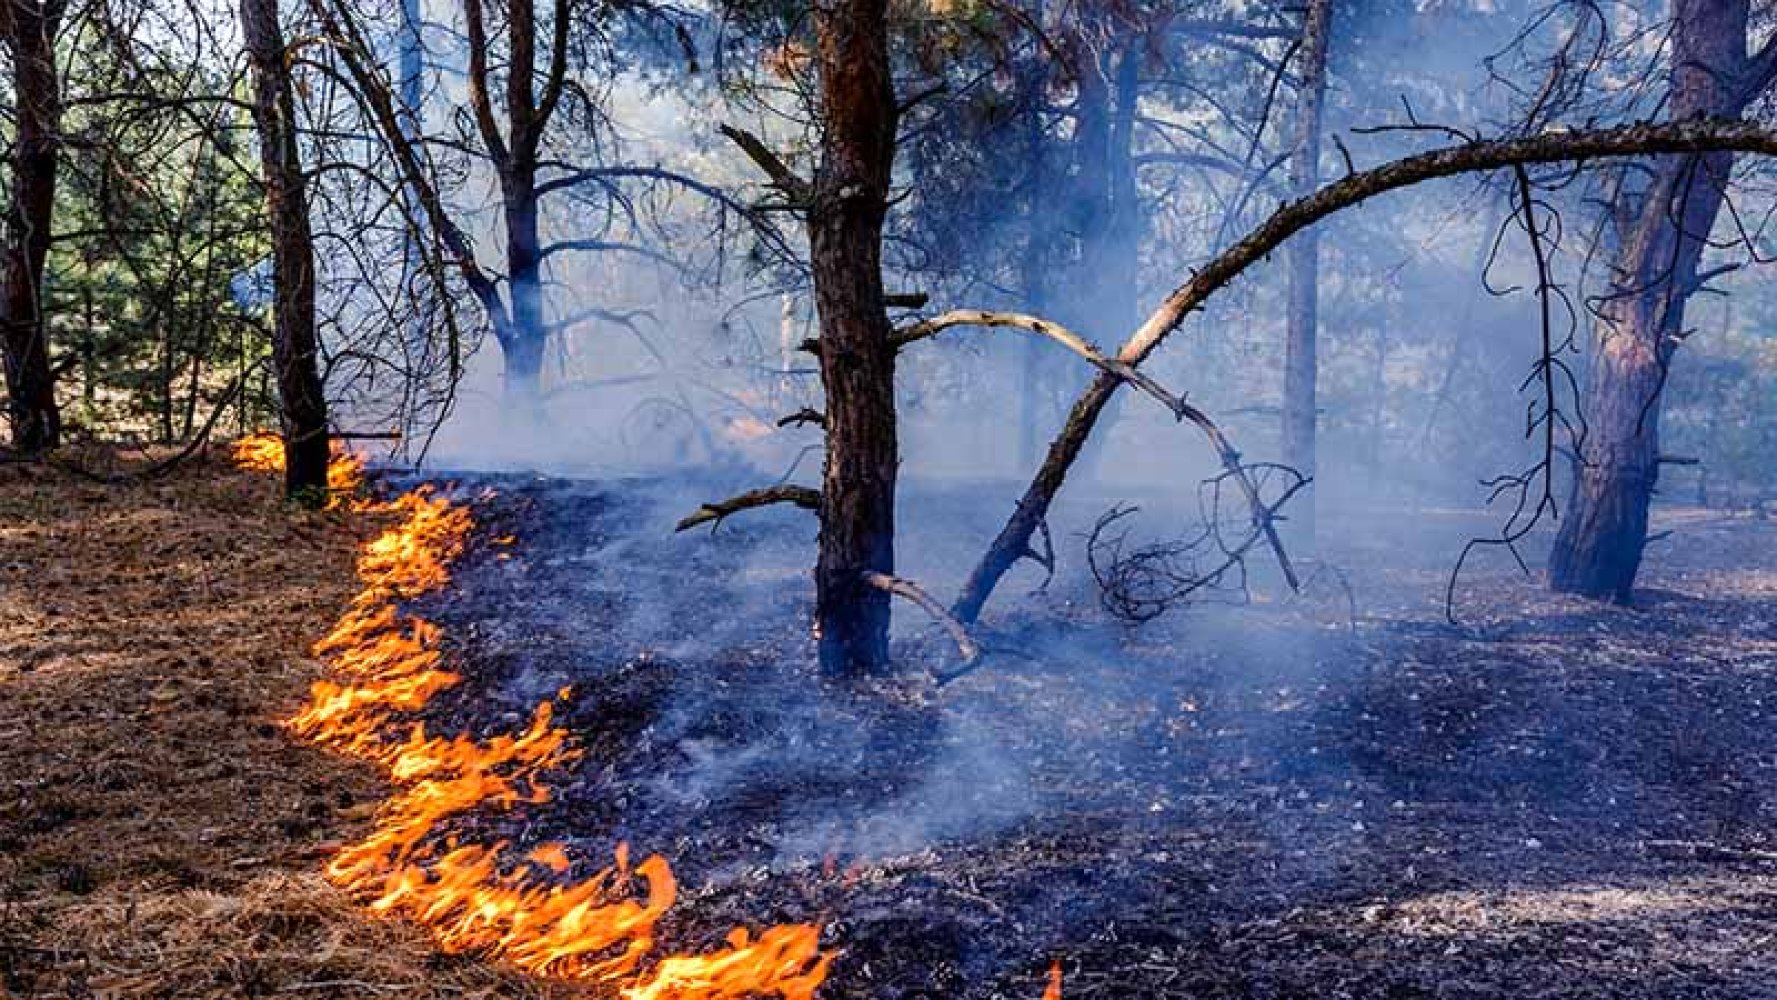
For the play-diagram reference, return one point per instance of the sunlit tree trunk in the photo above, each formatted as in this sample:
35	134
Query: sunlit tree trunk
294	344
1598	549
29	28
845	221
1301	366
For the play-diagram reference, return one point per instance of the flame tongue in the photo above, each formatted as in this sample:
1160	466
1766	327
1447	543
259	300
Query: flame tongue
493	898
1053	990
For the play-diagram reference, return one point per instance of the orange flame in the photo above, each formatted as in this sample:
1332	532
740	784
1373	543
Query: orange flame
488	897
1053	991
263	451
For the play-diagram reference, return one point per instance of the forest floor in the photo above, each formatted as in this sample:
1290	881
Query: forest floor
1551	799
161	836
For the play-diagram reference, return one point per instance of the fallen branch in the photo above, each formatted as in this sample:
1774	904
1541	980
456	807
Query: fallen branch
965	643
1045	328
802	496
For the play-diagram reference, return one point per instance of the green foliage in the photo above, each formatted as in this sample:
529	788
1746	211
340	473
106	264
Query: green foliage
158	215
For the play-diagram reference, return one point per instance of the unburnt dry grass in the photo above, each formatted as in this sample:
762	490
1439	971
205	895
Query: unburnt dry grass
161	835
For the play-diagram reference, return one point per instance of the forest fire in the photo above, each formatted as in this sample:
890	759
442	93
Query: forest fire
489	898
263	451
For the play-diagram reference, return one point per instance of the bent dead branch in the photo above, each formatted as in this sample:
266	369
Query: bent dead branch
1693	136
966	646
1263	516
1141	583
801	496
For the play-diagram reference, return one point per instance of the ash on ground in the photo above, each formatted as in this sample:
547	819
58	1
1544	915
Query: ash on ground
1551	799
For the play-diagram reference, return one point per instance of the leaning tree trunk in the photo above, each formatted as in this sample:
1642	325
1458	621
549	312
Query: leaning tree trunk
1301	367
29	28
850	199
1598	550
295	348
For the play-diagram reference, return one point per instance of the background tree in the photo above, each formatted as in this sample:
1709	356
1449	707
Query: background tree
1641	319
294	348
30	29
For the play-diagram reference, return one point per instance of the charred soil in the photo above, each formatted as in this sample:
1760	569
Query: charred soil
1551	799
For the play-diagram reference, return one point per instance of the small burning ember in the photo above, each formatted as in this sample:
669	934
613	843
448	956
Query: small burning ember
486	897
1053	991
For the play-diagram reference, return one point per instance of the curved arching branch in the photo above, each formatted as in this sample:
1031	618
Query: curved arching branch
1642	139
966	646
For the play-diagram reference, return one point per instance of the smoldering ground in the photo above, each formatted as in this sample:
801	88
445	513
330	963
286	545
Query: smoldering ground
1228	801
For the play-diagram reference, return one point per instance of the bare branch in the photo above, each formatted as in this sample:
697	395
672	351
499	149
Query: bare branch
799	191
965	643
802	496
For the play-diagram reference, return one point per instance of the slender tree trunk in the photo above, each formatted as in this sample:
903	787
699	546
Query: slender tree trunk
525	342
1598	550
29	28
1301	366
857	359
1034	264
295	348
1098	293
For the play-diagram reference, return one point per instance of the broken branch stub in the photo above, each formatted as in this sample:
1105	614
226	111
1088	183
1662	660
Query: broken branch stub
801	496
799	192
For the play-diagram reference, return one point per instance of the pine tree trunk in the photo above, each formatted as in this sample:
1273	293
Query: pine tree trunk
527	338
1301	366
295	348
29	28
857	359
1598	550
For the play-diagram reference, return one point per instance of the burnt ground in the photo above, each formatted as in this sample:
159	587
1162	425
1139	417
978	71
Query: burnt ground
1551	799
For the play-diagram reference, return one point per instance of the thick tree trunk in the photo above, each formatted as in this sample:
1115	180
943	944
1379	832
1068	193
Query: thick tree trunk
1301	367
29	28
857	358
295	348
1598	550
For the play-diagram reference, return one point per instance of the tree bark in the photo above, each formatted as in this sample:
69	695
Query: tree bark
295	348
1630	140
29	28
1597	552
1301	366
857	356
526	337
